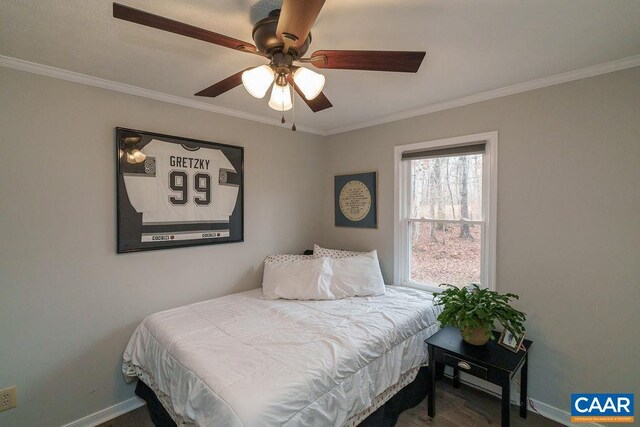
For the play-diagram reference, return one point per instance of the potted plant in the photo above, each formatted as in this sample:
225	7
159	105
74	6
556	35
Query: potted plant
474	310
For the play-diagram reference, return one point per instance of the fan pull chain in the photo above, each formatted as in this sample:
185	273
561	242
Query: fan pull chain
282	105
293	103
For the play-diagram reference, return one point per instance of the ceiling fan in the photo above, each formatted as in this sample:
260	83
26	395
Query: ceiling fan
283	38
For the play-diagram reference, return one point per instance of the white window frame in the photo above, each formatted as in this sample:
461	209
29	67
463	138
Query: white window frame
402	243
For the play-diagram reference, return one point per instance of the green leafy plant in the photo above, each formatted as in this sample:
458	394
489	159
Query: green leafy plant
473	307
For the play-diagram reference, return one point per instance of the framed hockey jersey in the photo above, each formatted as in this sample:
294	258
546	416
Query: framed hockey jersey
175	192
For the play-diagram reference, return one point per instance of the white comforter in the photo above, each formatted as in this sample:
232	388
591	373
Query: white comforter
242	360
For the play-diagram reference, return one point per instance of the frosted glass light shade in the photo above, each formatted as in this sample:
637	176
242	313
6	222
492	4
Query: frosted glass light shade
136	156
281	98
131	158
257	80
309	82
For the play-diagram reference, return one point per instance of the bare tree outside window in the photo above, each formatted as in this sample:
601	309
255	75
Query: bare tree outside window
446	219
464	198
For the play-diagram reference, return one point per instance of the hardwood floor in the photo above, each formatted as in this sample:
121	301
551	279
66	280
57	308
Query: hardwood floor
454	408
466	406
138	418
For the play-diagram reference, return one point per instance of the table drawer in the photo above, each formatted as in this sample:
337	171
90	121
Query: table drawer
465	366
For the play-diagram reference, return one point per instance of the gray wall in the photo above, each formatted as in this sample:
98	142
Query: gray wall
568	220
68	303
568	229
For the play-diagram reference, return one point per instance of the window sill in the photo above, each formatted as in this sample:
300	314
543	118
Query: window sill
431	289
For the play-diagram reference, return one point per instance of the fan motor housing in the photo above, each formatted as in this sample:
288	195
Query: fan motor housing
265	39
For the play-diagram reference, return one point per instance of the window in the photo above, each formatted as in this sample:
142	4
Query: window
445	212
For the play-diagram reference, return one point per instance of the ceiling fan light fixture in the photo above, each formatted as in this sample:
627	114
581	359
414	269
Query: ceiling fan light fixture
309	82
283	38
131	158
257	80
281	98
139	155
135	156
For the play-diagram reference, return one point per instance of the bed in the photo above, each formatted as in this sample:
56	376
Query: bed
243	360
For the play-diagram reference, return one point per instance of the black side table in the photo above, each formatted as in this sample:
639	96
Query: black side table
490	362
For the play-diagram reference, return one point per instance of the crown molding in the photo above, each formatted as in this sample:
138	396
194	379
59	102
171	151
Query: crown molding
59	73
581	73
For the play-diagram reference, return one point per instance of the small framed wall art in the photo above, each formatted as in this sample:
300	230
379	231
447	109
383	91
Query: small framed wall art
356	200
174	192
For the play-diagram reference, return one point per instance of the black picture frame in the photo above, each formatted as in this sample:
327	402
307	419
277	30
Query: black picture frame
356	200
176	174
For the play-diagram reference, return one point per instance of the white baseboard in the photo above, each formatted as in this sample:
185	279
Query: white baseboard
107	414
544	409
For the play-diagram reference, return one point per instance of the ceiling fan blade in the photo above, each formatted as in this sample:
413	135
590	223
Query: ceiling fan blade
150	20
373	60
319	103
296	19
223	85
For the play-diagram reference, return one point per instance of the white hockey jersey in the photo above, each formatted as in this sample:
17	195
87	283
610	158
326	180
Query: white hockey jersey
182	185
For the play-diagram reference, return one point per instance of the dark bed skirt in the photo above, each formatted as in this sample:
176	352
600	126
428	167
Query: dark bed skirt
386	416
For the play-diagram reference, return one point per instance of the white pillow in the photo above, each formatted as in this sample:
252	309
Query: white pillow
355	276
297	279
319	252
287	257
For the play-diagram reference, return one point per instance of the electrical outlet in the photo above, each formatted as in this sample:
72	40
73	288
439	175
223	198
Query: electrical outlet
7	398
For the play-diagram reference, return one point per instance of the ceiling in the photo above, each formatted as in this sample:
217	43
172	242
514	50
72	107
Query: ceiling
472	47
